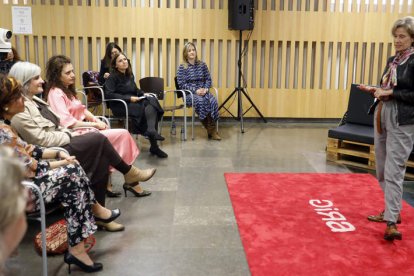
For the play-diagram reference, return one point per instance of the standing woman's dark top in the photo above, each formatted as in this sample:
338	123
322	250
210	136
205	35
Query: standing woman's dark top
143	112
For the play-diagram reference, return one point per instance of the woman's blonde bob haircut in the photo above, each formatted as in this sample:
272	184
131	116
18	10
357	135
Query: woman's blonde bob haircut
185	52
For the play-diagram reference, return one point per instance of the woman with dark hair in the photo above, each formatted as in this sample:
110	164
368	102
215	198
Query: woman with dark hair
111	50
9	59
193	75
62	181
39	125
394	124
73	114
144	112
13	55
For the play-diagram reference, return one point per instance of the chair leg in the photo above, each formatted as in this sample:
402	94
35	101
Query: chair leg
192	124
185	123
160	125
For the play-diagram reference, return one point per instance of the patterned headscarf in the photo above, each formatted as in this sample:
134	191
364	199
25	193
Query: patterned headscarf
389	80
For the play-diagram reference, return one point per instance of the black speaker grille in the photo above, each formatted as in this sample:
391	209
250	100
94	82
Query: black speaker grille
241	14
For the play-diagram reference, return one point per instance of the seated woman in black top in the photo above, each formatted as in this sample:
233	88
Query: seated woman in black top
145	112
112	49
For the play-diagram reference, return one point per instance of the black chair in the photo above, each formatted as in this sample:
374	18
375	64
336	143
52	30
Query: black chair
156	85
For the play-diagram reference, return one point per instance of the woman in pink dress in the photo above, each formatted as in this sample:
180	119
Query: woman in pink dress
61	96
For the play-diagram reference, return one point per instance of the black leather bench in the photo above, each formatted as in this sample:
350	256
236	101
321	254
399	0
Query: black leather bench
358	125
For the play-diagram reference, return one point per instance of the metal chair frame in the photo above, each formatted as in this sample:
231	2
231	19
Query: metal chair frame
192	104
104	104
177	107
153	84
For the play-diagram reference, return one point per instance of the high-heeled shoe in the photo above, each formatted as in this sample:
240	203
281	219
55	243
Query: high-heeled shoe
110	227
128	187
114	214
137	175
113	194
70	259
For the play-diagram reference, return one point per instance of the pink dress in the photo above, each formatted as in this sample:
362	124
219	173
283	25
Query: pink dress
71	111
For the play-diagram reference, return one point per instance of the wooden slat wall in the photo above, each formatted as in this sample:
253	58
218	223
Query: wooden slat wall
302	55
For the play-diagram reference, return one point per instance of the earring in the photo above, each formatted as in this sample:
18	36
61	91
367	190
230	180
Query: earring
6	109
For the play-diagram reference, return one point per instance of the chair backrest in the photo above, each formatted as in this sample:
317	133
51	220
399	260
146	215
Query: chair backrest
179	95
358	106
90	78
153	85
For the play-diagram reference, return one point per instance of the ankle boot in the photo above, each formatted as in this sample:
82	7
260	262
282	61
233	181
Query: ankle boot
205	125
137	175
211	130
392	233
155	149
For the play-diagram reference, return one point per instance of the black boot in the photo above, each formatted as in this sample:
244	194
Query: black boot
155	149
205	124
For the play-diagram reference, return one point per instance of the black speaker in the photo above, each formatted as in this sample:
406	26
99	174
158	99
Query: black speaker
241	14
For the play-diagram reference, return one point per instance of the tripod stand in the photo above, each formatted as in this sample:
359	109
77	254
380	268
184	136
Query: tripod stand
240	90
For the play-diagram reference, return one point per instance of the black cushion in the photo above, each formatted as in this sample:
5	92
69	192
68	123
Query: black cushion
353	132
358	106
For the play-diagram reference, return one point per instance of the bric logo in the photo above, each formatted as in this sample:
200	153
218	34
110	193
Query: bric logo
331	216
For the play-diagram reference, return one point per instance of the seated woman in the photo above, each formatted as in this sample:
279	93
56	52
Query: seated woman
61	96
111	50
193	75
61	181
8	59
145	112
93	150
12	211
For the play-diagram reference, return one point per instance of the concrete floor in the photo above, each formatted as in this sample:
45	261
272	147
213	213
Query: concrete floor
187	225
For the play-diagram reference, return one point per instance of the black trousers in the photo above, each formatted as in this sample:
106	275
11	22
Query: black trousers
95	154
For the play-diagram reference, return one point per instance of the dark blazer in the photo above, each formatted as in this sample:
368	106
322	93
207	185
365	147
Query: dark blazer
403	92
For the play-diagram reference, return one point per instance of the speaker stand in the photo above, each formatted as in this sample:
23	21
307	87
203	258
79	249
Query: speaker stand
240	91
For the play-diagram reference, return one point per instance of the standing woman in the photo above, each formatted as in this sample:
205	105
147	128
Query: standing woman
112	49
143	112
193	75
394	124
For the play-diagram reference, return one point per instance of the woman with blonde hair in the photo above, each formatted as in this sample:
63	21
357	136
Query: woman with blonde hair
394	124
193	75
12	204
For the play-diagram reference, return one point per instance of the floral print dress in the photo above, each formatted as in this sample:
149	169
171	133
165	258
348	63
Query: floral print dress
67	185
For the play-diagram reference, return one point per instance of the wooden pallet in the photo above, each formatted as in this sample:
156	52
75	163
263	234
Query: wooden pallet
358	155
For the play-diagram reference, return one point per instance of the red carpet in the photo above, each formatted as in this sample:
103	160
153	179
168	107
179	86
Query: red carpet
283	234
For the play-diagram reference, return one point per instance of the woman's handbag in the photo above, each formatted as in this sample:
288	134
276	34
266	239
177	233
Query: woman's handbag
57	239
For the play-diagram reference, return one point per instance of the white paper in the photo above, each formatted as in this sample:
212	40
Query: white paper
22	20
